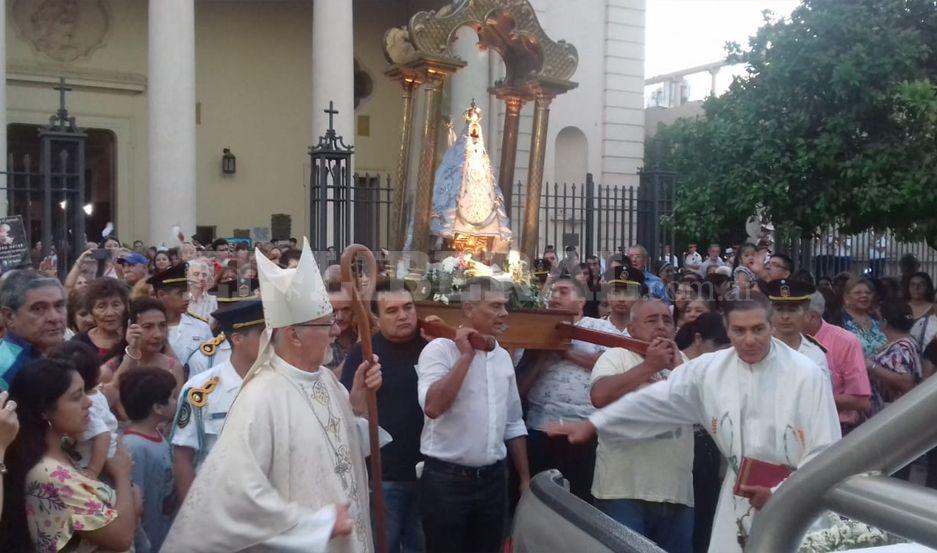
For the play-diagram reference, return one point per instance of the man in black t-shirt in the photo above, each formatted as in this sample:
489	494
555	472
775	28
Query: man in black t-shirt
398	346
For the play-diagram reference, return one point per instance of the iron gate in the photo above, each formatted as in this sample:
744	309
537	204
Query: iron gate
51	196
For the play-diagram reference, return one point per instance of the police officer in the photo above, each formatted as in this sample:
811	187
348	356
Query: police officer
207	396
789	299
217	350
186	331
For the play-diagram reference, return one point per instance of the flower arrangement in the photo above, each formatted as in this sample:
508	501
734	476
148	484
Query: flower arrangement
846	534
445	280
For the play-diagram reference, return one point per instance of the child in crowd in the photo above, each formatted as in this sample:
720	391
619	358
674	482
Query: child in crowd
148	398
98	442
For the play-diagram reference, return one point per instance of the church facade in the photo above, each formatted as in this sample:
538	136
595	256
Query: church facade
163	87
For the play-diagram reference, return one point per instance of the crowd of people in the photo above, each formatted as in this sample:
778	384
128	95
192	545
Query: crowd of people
172	400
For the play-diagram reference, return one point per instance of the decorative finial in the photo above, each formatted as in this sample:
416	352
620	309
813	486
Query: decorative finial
332	112
61	121
472	113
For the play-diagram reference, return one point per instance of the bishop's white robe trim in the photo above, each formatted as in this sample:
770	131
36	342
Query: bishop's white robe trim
288	453
779	410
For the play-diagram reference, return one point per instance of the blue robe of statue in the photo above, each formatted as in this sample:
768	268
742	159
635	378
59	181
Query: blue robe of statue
466	197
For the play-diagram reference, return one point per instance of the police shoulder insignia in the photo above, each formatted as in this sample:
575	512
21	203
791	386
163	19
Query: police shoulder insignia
210	347
198	397
185	415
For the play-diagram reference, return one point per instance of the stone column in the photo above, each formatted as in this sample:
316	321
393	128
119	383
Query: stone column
409	82
423	200
3	114
4	154
513	103
333	68
531	236
171	106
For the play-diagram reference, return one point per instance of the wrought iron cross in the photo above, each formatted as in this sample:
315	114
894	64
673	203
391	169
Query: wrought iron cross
332	112
62	90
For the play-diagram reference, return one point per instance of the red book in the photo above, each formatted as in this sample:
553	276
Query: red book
753	472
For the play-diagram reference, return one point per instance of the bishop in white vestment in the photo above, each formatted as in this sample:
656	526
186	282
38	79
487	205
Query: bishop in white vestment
288	461
777	407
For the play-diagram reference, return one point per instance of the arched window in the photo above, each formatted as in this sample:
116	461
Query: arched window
572	156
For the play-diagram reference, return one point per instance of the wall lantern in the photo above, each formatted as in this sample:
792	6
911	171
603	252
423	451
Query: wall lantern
228	162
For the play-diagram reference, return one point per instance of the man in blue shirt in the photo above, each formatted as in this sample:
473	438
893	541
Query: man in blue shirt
655	286
33	309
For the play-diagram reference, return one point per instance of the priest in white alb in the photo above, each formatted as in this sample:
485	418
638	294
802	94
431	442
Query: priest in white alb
287	472
761	401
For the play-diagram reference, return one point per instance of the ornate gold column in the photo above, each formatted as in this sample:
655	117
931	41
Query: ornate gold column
538	143
423	201
409	81
513	102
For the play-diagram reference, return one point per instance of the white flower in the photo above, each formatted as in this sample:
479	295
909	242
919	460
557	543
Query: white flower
449	263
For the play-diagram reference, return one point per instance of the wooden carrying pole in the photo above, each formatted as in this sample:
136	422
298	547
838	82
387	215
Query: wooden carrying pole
434	327
359	302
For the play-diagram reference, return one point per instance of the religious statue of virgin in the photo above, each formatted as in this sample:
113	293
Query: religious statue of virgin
468	206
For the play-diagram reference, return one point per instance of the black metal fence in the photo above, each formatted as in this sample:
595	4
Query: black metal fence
602	218
356	212
594	218
50	198
605	218
372	220
869	253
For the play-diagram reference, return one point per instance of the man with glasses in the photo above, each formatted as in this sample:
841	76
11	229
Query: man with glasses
637	254
288	472
778	267
186	331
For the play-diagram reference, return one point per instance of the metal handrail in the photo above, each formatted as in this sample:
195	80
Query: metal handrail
847	478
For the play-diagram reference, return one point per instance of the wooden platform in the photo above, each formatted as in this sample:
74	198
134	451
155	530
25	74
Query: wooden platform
527	328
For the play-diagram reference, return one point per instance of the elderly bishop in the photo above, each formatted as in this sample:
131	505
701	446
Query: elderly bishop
287	472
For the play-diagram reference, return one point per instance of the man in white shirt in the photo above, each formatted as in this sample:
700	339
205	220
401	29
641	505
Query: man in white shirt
558	385
712	261
789	299
207	396
692	259
186	331
669	257
472	408
647	486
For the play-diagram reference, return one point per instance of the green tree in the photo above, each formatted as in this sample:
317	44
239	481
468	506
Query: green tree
835	122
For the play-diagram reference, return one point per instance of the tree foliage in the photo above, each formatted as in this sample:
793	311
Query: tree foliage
835	122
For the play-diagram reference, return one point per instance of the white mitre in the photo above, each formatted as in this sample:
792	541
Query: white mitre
292	296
